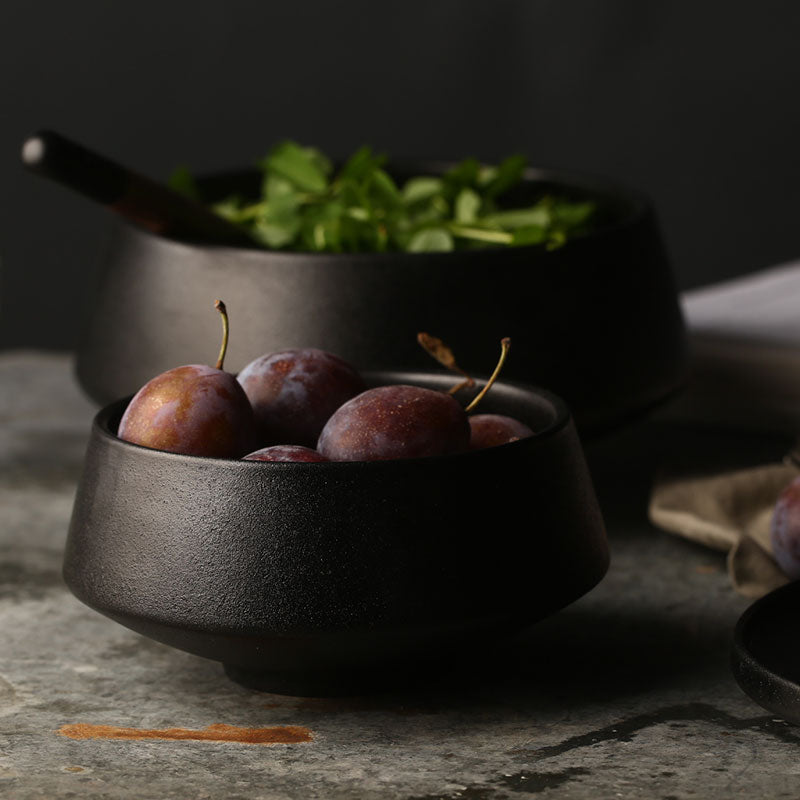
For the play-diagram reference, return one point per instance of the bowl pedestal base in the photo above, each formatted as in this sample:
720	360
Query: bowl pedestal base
328	683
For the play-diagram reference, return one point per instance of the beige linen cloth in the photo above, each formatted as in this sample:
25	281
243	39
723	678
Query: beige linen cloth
744	338
729	512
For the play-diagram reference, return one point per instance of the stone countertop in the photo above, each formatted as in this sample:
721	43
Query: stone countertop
625	694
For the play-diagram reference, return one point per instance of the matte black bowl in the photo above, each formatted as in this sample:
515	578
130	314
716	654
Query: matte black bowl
337	577
596	321
766	656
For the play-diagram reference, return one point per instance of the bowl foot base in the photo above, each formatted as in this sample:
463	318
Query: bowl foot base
308	684
332	683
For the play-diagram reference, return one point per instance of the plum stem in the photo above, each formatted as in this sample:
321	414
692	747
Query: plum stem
505	346
461	385
220	306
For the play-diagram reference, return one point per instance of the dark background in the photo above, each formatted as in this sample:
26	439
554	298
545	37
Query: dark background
697	104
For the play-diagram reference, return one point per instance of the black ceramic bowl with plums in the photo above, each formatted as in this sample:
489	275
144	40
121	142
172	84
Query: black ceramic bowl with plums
596	319
325	578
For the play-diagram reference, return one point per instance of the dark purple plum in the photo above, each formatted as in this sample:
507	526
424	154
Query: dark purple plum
785	530
286	452
391	422
490	430
195	409
294	392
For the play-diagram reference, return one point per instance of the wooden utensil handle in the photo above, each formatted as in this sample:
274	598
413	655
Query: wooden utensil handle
146	203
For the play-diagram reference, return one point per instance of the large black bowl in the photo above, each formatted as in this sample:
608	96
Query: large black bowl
310	578
596	321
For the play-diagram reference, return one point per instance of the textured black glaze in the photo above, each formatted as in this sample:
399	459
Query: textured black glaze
316	573
766	656
596	321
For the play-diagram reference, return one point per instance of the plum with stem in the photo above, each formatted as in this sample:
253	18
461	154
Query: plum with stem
194	409
401	421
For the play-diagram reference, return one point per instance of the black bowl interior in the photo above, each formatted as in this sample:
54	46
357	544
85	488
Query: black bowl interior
310	574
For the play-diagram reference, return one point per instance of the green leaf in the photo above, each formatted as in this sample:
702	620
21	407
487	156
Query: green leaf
358	213
529	234
277	222
509	173
349	194
430	240
182	181
436	210
276	232
384	187
323	226
416	190
572	214
467	205
277	189
462	175
360	165
303	166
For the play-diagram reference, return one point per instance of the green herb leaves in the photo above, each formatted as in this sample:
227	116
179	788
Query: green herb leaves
307	169
306	205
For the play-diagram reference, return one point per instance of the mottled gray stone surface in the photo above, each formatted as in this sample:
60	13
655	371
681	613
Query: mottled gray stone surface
626	694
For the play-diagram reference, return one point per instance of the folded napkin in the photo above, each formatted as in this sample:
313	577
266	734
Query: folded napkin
729	512
744	341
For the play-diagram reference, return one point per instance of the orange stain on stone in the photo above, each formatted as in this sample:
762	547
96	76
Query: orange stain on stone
277	734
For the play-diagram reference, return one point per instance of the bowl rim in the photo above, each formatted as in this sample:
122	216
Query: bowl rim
639	207
105	420
767	686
